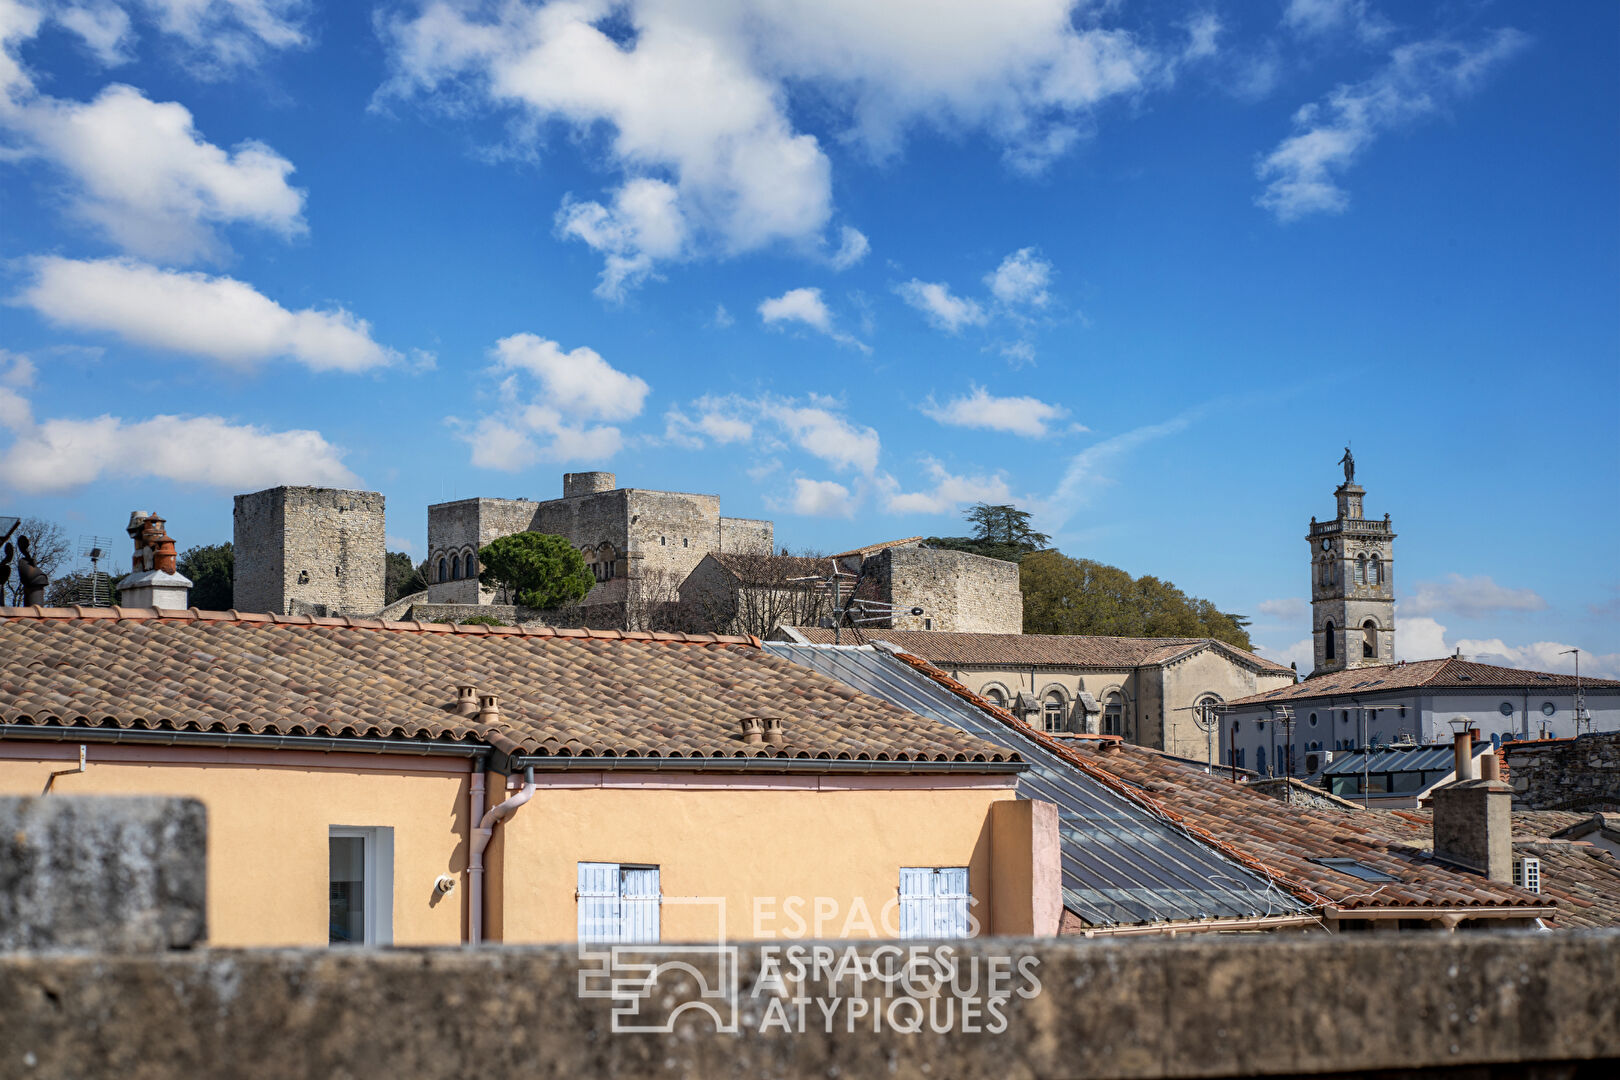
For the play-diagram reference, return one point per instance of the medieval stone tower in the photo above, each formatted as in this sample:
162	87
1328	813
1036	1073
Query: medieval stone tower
309	551
1352	583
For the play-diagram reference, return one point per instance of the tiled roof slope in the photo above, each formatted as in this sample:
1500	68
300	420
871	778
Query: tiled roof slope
871	549
562	692
1527	824
1583	878
1287	838
1446	672
948	649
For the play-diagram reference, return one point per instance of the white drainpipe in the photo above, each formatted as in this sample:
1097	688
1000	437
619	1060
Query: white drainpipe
480	840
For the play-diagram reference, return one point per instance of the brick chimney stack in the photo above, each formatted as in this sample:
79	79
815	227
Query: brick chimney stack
153	581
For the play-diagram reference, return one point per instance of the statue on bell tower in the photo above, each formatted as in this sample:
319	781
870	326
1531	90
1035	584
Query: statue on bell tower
1352	583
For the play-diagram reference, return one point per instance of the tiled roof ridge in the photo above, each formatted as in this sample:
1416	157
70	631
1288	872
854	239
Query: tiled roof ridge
79	611
869	548
1130	792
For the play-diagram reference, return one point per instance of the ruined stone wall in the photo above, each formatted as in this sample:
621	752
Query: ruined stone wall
302	550
1565	774
751	536
957	591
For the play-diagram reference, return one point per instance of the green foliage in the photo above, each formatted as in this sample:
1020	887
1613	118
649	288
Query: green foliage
212	570
482	620
1078	596
999	532
536	570
77	588
401	577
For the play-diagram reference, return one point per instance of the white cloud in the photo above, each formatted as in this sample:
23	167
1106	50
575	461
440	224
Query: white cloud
797	305
852	248
103	27
711	424
1473	598
1419	81
1021	279
1317	18
1203	33
1301	654
821	498
816	426
722	317
945	310
696	93
807	307
219	318
139	172
644	226
16	369
61	455
1018	353
227	34
551	405
400	543
1287	607
979	409
949	492
1421	637
1087	472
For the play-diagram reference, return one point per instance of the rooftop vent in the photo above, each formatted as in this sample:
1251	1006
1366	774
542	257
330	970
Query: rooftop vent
1527	873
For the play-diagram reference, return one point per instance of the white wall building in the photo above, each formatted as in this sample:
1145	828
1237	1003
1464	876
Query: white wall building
1384	704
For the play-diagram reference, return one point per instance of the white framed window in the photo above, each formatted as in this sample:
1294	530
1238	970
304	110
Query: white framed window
618	903
934	901
360	885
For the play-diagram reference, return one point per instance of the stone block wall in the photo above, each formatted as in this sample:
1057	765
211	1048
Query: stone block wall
302	550
750	536
1566	774
957	591
460	529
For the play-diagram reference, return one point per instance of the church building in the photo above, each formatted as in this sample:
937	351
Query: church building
1352	583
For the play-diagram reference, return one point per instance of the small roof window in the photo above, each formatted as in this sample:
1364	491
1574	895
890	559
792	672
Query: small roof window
1355	869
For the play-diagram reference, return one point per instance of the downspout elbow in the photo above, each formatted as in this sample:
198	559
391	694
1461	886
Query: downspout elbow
481	837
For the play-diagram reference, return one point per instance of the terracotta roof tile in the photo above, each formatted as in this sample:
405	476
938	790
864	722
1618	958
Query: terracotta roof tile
1448	672
1288	838
948	649
562	692
871	549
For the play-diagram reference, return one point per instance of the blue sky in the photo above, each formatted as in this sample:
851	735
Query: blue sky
1143	268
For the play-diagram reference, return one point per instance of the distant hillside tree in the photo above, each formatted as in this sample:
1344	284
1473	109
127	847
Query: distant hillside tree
212	570
536	570
1000	531
401	577
1078	596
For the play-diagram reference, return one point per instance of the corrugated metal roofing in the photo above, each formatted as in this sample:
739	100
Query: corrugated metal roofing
1121	865
1431	757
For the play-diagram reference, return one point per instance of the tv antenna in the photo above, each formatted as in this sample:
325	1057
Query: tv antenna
95	589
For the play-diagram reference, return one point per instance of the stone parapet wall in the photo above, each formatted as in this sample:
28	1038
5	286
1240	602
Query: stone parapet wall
1475	1005
1565	774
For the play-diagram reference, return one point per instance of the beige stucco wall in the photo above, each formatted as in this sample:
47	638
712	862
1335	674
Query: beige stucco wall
268	822
1188	680
803	837
739	838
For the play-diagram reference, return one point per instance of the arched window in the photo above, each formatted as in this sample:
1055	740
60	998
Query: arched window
1377	571
1369	640
442	575
1239	757
455	567
469	567
1331	647
994	696
1114	715
1260	761
1361	569
1052	712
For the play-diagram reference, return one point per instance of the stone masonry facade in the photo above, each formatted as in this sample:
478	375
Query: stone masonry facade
1565	774
639	544
309	551
956	590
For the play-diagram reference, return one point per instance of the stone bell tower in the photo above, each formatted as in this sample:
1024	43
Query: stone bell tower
1352	583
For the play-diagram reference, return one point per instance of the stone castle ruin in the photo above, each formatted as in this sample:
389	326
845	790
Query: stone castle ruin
318	551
